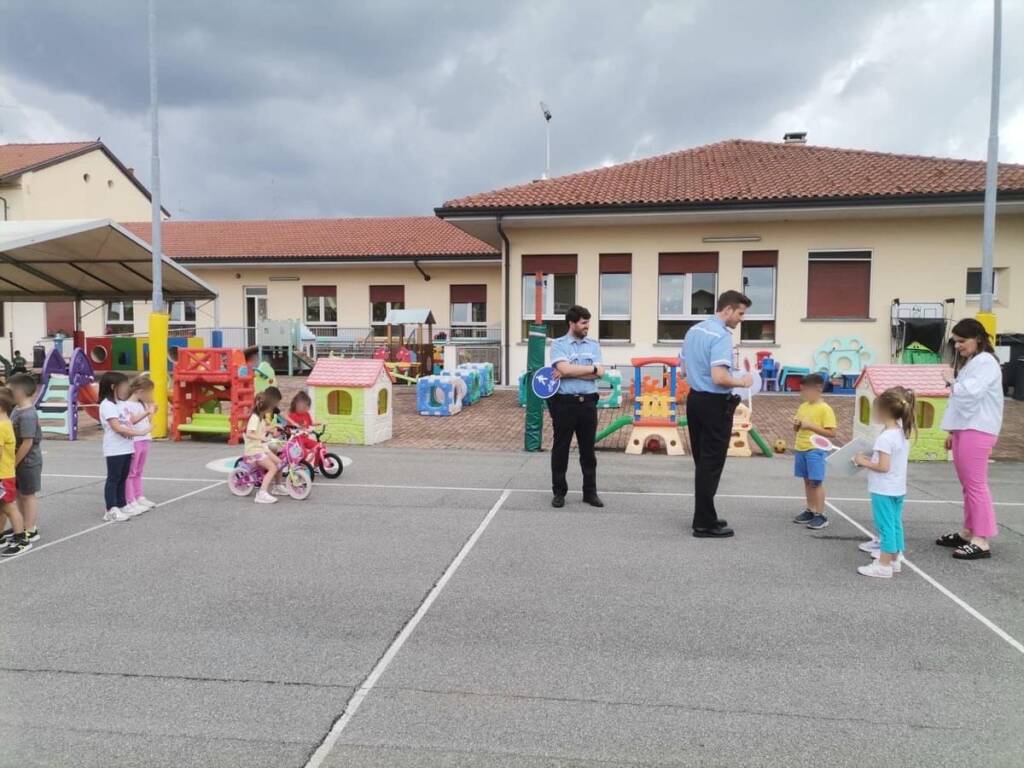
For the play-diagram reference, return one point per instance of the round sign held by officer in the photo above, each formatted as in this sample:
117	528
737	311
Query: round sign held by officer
578	365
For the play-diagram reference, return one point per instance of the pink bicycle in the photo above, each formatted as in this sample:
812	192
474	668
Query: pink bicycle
294	472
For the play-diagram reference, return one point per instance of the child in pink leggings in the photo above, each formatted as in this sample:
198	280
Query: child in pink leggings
973	418
140	408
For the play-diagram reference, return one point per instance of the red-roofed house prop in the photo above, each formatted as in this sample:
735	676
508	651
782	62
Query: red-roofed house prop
353	398
929	390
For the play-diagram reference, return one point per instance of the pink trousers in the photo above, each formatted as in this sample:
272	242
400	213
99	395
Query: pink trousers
133	486
971	450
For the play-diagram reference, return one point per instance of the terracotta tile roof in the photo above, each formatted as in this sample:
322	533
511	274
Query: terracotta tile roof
745	172
339	372
924	380
15	159
312	239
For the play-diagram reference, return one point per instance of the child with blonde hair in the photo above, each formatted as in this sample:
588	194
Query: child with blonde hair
887	478
140	410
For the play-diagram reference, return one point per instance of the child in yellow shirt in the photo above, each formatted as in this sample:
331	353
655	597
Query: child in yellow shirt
813	417
17	541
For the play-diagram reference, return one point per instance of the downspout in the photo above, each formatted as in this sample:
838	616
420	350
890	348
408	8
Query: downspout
506	257
416	263
4	201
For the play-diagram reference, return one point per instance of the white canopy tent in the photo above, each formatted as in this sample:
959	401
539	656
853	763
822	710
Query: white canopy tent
90	260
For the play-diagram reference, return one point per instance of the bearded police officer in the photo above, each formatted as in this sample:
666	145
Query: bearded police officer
707	358
577	362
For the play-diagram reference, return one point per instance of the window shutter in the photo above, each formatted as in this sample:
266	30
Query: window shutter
469	294
320	290
550	265
391	293
837	289
616	263
687	263
760	258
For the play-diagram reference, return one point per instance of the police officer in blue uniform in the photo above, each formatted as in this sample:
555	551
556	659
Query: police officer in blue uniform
707	360
578	363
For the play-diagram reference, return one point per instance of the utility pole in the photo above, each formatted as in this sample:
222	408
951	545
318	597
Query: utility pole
547	140
985	314
154	140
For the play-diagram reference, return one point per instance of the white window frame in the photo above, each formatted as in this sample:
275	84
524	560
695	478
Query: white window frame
183	322
374	324
321	308
976	297
688	294
110	318
775	295
549	294
467	323
602	315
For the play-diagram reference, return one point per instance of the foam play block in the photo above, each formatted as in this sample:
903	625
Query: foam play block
100	352
125	354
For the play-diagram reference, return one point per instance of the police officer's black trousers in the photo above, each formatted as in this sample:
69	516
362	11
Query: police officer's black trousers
573	415
709	421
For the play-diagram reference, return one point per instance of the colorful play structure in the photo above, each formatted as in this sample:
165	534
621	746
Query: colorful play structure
655	408
65	388
204	381
447	392
931	394
353	398
131	353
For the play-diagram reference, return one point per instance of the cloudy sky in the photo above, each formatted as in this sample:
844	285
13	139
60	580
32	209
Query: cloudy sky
286	108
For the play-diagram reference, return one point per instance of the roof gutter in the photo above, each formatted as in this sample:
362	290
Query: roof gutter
506	250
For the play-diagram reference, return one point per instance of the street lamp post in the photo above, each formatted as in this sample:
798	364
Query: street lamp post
154	136
985	314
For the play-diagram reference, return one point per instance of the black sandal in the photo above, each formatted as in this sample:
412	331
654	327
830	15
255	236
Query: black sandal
951	540
971	552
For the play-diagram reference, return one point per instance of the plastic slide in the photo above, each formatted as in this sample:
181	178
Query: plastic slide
89	400
623	421
303	358
761	443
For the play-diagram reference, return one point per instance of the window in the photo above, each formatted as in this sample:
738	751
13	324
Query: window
339	402
974	284
182	315
320	309
687	289
864	410
759	269
558	295
120	317
925	416
382	402
615	299
838	285
468	311
383	299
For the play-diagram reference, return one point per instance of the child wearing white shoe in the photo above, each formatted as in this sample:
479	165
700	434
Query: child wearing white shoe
887	478
140	408
118	443
257	447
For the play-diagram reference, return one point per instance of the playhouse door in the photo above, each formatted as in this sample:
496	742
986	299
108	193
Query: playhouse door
255	311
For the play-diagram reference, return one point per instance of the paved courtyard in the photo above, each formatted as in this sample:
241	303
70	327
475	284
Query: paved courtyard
430	609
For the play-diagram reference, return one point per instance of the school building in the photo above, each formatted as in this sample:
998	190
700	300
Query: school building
823	240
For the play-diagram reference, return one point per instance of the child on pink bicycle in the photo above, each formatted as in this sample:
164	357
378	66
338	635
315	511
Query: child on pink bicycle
258	451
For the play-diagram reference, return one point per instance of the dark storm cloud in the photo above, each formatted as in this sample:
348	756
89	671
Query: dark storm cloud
339	108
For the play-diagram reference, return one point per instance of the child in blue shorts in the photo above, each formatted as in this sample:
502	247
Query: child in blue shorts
813	417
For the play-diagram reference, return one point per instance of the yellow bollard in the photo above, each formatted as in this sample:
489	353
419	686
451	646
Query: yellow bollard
988	319
158	323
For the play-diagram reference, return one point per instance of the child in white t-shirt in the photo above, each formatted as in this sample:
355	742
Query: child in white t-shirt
257	448
887	478
118	442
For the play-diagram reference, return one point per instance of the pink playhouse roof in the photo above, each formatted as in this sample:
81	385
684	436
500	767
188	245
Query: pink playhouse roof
339	372
924	380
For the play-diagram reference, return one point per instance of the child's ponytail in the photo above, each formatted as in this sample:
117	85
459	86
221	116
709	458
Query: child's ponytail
901	405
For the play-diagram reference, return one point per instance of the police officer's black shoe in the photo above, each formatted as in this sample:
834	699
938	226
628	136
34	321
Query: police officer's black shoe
713	533
593	500
558	502
722	523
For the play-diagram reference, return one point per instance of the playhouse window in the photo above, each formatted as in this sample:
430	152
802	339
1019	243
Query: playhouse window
120	317
339	402
864	411
382	402
925	415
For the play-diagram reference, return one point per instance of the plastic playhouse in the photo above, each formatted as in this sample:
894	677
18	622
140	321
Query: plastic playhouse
204	381
930	392
64	388
655	416
353	398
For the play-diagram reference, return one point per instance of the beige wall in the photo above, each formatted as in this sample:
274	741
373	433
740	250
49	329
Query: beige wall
60	191
913	259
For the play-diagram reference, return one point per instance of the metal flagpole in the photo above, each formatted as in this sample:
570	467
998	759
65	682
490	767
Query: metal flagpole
985	314
154	137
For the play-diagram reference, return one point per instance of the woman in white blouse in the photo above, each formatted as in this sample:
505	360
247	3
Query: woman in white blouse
974	416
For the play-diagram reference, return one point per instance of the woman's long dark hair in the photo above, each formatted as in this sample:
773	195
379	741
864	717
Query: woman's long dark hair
109	382
969	328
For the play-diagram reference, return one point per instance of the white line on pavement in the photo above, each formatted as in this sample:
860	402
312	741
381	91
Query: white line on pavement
1002	633
38	547
146	478
353	704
